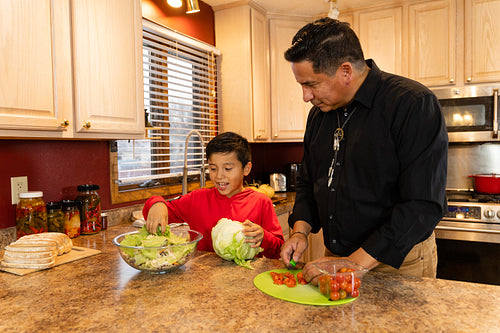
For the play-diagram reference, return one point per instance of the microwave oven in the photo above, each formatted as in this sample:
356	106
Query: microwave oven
470	112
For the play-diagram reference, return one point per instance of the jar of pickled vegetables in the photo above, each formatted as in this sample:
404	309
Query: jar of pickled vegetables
55	217
31	214
71	218
89	204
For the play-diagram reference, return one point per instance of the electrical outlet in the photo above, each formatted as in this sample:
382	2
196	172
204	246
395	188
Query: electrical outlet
18	185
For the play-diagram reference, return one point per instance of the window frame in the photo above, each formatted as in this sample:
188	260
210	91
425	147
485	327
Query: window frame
170	187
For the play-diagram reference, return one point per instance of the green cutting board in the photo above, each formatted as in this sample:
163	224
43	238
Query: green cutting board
302	294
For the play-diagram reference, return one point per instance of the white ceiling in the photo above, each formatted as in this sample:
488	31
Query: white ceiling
300	7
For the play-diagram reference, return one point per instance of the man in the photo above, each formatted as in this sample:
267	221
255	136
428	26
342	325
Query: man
373	175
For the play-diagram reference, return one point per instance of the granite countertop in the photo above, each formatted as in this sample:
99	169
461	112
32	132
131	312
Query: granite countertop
103	294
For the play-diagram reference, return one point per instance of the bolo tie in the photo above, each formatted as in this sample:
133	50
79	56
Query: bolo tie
338	136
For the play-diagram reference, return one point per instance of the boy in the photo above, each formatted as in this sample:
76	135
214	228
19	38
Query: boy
229	162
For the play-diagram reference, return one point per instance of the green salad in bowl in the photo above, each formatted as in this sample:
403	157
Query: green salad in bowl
160	252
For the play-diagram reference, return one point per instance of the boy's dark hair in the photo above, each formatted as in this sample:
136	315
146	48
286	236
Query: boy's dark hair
228	142
327	43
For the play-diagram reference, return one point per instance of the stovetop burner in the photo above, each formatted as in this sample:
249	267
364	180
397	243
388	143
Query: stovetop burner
471	196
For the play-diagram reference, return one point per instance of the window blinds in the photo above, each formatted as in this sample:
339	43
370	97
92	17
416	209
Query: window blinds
180	95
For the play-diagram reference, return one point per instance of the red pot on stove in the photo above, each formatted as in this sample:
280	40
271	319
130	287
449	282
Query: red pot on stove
488	183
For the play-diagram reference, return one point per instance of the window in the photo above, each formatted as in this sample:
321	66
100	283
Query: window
180	95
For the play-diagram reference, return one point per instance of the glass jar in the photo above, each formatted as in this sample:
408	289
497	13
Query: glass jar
55	217
31	214
71	218
89	204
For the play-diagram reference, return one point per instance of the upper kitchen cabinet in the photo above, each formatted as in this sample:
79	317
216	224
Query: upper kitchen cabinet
380	35
107	63
432	40
482	41
288	109
71	69
241	34
34	92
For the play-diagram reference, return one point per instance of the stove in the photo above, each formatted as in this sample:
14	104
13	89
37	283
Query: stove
471	216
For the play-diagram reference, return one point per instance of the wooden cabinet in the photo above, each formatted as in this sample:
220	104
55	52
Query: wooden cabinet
316	248
380	34
438	43
241	34
71	69
432	42
288	109
482	41
283	220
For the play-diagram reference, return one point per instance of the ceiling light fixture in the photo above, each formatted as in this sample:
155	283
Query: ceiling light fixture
334	12
192	6
175	3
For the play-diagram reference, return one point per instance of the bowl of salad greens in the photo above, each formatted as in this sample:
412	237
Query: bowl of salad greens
158	253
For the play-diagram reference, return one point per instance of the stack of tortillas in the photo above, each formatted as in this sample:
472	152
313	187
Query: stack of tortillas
36	250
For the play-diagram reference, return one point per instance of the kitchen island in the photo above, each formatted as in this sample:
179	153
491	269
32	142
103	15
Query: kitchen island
102	293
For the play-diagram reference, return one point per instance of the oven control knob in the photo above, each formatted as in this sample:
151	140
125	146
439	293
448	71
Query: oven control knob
489	213
498	214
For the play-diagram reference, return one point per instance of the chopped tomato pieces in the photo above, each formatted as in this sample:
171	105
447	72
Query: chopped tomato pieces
287	279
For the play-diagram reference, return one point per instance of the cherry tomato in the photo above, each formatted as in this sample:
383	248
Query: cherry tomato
355	293
343	270
334	286
342	294
348	278
340	278
343	285
348	288
322	288
357	283
334	295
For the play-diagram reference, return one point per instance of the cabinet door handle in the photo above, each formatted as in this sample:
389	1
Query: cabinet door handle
495	113
275	135
65	123
469	79
452	80
87	125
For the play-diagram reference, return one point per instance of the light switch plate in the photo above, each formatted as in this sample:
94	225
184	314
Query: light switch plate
18	185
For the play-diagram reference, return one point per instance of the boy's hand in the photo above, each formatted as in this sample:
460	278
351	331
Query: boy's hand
158	215
253	232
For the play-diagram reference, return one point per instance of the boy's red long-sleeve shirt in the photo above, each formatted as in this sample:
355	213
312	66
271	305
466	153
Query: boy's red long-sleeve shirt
203	208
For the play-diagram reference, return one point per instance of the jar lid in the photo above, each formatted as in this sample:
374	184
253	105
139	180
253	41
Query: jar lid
68	203
87	187
54	205
84	188
31	194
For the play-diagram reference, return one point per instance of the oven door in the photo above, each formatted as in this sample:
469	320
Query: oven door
468	231
470	113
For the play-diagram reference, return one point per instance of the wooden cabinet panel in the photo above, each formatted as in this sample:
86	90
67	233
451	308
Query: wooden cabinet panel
432	40
28	83
241	34
482	41
380	34
107	58
283	220
260	75
288	109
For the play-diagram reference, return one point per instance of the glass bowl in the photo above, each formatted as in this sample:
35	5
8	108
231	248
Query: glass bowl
160	259
340	279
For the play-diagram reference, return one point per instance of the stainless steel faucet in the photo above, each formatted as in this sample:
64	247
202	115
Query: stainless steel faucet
185	170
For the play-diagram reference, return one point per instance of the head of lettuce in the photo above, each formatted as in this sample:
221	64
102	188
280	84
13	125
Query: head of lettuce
228	241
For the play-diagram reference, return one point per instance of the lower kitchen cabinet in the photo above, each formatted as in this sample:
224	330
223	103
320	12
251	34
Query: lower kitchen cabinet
316	247
71	69
283	220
